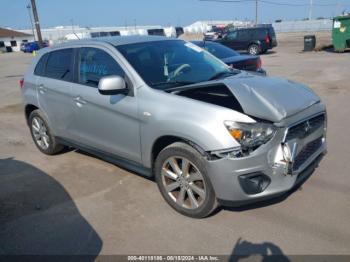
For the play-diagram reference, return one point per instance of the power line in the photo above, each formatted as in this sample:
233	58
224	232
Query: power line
239	1
271	2
288	4
311	5
228	1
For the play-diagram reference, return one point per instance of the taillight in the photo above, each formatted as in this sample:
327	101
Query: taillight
267	39
21	82
258	63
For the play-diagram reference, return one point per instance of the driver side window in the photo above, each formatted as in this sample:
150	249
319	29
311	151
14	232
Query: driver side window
94	64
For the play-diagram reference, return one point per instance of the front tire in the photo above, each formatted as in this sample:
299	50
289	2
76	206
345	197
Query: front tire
42	135
182	180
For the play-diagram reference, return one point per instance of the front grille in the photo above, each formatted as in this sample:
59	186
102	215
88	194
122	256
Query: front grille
306	127
306	152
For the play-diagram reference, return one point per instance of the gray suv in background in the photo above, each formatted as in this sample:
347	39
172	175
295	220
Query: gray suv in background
167	109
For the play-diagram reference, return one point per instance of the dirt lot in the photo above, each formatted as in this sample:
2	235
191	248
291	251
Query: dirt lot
76	204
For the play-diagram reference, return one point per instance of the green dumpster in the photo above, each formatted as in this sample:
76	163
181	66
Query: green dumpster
341	33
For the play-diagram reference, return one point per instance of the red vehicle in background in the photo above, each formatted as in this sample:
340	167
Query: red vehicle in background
216	32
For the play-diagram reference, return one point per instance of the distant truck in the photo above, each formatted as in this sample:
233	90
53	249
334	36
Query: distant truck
341	33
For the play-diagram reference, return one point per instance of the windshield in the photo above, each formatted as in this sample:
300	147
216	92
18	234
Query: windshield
172	63
218	50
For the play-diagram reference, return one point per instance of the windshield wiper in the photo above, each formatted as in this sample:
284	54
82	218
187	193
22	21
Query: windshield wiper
176	83
222	74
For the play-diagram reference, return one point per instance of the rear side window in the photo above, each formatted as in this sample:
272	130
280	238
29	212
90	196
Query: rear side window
59	65
40	66
260	33
94	64
244	34
115	33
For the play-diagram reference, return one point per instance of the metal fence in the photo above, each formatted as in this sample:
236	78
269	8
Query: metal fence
283	26
303	26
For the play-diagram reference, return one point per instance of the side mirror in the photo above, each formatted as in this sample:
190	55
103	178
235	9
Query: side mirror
112	85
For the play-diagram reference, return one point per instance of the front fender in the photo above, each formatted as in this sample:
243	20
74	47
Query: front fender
207	138
163	114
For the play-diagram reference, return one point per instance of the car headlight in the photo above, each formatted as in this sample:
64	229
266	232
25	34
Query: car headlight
250	135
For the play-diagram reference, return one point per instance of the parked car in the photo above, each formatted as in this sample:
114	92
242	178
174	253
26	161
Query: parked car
214	33
179	31
164	108
255	40
231	57
29	47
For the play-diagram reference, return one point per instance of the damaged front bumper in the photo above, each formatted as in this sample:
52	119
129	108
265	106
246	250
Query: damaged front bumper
272	169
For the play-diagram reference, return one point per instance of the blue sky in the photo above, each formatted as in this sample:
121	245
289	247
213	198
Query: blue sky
13	13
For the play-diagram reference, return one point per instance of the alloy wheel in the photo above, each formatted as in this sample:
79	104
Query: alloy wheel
254	50
183	182
40	134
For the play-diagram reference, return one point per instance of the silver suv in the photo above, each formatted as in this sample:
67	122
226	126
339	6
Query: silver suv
167	109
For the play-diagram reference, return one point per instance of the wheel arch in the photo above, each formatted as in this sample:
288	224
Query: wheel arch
257	42
28	109
162	142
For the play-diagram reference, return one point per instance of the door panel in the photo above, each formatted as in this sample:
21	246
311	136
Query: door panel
243	39
106	122
54	90
55	100
231	40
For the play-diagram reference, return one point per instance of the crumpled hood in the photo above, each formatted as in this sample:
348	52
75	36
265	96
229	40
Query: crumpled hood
270	98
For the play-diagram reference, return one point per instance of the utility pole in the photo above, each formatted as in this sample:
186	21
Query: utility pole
310	10
37	24
73	31
31	20
256	11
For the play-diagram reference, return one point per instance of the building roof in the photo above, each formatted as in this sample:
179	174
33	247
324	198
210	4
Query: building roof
11	33
132	39
115	40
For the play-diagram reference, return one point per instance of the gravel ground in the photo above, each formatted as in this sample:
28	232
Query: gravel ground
74	203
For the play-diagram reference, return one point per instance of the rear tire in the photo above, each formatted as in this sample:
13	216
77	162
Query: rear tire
182	180
254	49
42	135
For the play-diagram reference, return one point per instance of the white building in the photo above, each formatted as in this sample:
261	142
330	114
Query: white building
204	26
63	33
10	40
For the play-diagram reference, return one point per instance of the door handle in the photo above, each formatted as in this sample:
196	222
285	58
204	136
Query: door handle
42	89
79	101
